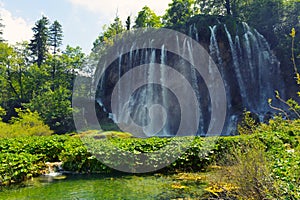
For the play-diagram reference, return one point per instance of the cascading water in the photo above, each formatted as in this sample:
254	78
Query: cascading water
163	72
194	82
216	55
250	72
237	66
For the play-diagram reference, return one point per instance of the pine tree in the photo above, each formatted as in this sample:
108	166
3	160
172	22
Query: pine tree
55	41
38	45
55	36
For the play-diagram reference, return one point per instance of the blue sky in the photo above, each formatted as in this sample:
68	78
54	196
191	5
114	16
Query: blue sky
82	20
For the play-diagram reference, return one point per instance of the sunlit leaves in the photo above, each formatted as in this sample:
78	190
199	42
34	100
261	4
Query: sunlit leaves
147	18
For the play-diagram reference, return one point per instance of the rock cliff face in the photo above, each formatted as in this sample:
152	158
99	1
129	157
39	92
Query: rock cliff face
250	72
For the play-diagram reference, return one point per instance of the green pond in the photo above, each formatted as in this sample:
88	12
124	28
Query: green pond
118	186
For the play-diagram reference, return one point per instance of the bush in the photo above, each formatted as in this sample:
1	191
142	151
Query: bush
248	124
18	167
248	169
264	165
26	124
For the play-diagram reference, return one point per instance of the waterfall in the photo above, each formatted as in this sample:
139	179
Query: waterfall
213	47
151	96
248	51
197	34
163	60
119	108
193	32
194	81
250	72
263	68
215	53
237	67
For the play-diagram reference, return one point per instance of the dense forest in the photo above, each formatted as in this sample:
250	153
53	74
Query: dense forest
38	75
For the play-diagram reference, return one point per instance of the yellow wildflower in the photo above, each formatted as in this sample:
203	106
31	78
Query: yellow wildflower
293	33
178	186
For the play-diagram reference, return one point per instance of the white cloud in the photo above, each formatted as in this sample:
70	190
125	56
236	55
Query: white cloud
109	8
16	28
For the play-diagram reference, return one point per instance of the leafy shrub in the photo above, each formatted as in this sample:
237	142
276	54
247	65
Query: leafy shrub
48	146
75	157
249	170
153	152
264	165
26	124
286	172
248	124
55	109
18	167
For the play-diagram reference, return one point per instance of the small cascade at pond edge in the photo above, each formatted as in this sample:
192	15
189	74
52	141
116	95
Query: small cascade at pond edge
250	71
54	169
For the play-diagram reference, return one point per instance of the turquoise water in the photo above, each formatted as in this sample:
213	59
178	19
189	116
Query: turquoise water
105	187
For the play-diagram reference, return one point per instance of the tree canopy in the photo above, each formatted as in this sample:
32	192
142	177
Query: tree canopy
147	18
179	12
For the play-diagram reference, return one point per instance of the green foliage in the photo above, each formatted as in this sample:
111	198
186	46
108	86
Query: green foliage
294	105
75	157
12	73
23	83
178	13
215	7
264	164
101	135
273	19
55	108
247	168
26	124
2	112
18	167
108	34
24	157
147	18
50	149
248	124
282	141
287	174
55	36
38	45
